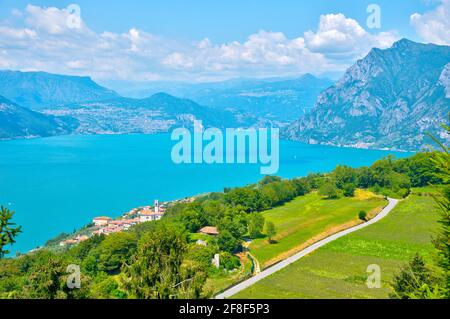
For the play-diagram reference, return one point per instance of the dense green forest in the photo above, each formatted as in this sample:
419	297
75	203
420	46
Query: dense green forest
163	260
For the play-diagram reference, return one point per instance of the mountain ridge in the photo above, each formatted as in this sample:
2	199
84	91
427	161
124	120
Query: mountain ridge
20	122
389	99
38	90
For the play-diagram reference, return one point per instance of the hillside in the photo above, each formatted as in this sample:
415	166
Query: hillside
158	113
276	101
338	270
40	89
20	122
389	99
310	218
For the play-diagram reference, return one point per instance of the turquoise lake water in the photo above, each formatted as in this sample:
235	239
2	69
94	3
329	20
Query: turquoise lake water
59	184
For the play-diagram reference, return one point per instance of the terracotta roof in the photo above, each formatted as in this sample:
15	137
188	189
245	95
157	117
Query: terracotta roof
147	212
103	218
209	230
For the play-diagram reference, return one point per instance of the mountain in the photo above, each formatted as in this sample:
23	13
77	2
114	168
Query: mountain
39	89
159	113
389	99
20	122
276	101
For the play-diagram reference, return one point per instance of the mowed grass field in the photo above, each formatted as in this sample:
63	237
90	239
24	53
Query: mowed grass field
308	219
339	269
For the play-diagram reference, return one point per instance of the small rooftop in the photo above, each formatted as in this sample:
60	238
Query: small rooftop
103	218
148	212
209	230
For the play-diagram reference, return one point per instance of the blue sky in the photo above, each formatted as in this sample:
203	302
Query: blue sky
227	20
204	40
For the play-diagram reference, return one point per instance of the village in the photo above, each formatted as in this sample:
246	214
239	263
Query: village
105	225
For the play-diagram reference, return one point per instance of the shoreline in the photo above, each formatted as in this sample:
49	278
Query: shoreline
295	170
386	149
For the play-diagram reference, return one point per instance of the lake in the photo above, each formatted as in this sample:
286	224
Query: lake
59	184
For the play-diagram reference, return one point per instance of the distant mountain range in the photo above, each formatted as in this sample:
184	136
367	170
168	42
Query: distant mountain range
20	122
275	101
156	114
38	90
389	99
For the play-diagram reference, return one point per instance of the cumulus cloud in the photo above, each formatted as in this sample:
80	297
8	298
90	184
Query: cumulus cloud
338	36
336	44
434	26
42	39
51	20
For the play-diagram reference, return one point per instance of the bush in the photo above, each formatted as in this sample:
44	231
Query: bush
362	215
229	261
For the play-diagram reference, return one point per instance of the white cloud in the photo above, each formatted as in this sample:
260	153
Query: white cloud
338	36
51	20
434	26
43	40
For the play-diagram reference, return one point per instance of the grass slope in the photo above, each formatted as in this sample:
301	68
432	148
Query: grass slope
338	270
308	219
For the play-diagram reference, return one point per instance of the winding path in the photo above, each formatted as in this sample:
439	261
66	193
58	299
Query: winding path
273	269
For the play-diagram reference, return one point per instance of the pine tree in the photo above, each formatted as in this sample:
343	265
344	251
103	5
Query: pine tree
412	280
442	241
158	270
8	232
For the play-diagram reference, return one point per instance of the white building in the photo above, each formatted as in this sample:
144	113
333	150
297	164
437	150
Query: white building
148	215
101	221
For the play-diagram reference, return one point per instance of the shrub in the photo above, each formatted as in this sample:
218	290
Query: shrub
362	215
229	261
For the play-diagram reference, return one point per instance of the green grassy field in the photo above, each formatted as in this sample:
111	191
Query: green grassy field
307	217
338	270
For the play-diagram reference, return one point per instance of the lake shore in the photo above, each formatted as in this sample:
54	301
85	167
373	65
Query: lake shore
58	184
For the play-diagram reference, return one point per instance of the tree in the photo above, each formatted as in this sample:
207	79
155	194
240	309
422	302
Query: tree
227	242
412	280
114	251
362	215
442	241
344	175
158	270
329	190
349	189
255	224
269	179
229	261
302	186
8	232
47	279
270	231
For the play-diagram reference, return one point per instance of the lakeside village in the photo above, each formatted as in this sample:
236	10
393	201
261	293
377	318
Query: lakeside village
105	225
